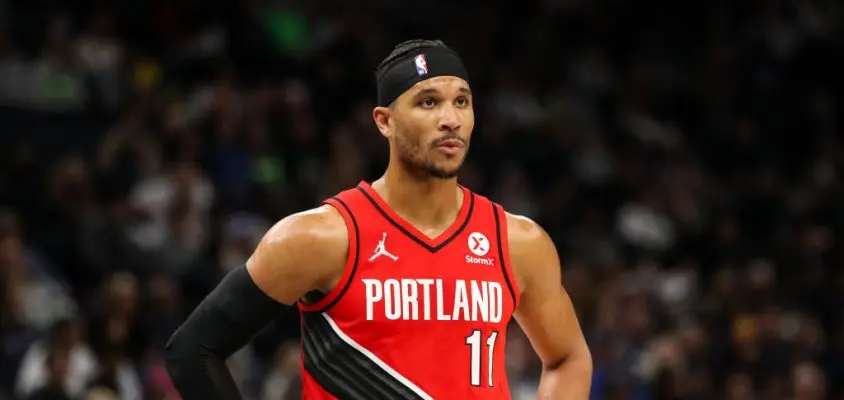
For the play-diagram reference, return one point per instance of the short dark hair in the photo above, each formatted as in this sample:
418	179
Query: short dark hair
404	48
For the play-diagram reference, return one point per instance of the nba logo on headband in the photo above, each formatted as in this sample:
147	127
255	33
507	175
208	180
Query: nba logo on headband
421	64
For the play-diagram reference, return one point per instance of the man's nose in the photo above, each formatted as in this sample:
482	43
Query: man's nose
449	119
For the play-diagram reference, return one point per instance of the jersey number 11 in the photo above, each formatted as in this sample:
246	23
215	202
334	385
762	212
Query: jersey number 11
474	342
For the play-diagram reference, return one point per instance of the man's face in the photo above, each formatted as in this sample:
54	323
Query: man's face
430	126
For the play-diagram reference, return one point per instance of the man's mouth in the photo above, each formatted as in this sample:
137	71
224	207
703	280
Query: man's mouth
449	146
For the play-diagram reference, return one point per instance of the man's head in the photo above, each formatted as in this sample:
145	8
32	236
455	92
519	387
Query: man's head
425	107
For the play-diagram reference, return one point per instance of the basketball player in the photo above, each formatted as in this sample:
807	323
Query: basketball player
405	285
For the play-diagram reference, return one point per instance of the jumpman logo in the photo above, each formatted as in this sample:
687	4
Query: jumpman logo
380	250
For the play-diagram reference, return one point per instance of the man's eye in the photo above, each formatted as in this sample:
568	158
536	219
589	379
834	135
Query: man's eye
429	102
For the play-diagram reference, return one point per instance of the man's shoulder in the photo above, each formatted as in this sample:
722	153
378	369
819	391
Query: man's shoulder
523	231
307	249
528	242
533	256
320	225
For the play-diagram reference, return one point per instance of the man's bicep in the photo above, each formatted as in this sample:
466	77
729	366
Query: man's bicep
548	319
298	254
546	313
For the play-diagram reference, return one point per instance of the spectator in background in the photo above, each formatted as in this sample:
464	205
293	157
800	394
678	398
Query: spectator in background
56	368
56	81
37	299
100	55
117	378
64	351
116	322
284	376
174	215
158	385
164	302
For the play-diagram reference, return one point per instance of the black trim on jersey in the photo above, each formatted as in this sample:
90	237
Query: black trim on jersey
342	370
501	252
348	282
420	241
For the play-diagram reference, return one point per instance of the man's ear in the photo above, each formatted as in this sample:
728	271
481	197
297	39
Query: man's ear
382	117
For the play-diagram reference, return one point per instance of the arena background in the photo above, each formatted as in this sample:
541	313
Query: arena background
686	157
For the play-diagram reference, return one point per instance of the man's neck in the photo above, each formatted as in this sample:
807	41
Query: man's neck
425	201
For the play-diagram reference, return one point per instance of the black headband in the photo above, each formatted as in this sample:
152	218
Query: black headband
416	67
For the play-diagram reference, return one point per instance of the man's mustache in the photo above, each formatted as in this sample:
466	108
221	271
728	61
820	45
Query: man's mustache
451	136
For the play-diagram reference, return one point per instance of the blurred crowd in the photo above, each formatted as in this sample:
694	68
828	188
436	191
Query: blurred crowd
686	157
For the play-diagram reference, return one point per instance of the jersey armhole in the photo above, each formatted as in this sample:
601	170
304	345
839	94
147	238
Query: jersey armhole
504	253
350	268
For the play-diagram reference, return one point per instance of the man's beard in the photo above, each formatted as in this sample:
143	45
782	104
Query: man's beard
440	173
411	157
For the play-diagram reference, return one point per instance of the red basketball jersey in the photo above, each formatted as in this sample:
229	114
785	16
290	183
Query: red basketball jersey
412	317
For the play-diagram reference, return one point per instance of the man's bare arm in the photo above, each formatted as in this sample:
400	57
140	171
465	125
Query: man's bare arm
302	252
546	314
